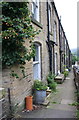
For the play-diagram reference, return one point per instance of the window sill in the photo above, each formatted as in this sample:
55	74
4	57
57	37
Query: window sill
36	62
53	43
37	23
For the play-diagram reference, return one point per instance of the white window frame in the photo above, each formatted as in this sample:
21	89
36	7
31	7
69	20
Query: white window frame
49	18
35	9
38	61
55	31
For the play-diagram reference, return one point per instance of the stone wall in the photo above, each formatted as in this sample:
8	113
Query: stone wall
57	46
19	88
41	39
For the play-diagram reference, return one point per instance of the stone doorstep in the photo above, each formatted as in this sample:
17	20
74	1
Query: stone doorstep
48	91
59	78
46	102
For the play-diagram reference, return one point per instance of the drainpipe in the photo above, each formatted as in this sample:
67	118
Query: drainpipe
60	44
53	60
48	41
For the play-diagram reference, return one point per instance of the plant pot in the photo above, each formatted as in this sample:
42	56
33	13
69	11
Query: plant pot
40	96
29	103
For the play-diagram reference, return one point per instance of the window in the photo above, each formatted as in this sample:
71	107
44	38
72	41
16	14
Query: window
55	32
35	9
37	63
49	19
36	58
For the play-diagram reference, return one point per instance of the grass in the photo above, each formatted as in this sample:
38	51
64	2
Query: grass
77	93
54	102
74	104
77	114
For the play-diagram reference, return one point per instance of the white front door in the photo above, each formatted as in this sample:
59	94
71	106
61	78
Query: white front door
37	64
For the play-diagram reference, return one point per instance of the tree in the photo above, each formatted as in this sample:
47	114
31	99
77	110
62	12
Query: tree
74	58
16	25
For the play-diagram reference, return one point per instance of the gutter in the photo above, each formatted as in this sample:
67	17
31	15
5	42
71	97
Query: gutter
60	44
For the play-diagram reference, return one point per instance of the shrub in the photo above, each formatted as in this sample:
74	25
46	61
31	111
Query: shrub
50	78
51	83
53	86
39	85
66	73
77	114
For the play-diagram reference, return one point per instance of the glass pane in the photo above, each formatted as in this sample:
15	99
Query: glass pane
35	72
55	32
36	58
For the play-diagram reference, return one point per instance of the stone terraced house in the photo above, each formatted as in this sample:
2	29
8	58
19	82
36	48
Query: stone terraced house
52	53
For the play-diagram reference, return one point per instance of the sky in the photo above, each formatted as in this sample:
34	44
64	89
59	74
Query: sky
67	9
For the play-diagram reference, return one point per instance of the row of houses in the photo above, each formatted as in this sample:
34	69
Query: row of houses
52	52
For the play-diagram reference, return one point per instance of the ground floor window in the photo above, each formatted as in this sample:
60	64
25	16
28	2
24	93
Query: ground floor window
37	63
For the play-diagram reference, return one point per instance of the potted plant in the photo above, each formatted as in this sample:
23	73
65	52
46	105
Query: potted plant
39	89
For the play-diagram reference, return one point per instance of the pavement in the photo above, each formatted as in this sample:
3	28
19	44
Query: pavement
60	105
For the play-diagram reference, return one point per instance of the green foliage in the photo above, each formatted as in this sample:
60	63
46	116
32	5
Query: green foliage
66	73
51	83
50	78
53	86
39	85
77	114
13	74
74	59
74	104
16	25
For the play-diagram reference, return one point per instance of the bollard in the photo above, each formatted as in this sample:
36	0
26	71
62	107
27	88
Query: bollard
29	103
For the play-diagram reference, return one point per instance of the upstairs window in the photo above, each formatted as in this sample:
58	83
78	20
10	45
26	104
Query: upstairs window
35	9
49	19
55	32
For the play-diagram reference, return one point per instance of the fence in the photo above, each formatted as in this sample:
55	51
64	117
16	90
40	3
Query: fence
4	103
76	79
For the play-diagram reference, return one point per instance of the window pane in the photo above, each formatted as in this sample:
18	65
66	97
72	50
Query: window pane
55	32
49	18
35	10
36	58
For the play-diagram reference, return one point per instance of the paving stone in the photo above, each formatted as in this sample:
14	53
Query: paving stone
59	102
66	101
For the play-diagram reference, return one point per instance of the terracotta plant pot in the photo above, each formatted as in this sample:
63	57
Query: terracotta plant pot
29	103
